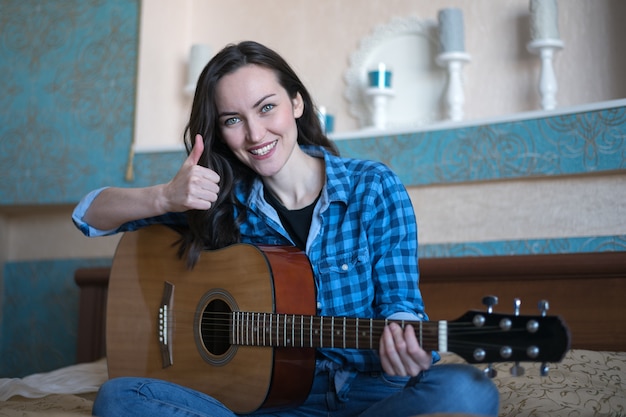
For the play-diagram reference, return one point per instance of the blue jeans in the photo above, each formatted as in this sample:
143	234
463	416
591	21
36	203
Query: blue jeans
442	388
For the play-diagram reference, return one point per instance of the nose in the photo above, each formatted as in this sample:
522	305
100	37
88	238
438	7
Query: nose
256	130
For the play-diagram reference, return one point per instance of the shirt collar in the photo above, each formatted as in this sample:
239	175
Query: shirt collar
338	178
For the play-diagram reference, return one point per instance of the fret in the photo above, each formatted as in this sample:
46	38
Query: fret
236	328
242	327
251	326
247	327
332	332
239	327
284	343
356	333
371	331
259	327
344	332
269	330
238	339
301	331
233	328
321	331
421	336
310	331
263	328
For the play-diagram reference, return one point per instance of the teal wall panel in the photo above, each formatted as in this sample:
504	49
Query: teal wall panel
567	144
67	100
40	315
68	70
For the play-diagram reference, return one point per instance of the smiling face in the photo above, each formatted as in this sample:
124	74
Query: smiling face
257	118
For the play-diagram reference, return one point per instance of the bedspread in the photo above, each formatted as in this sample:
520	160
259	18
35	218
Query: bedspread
585	383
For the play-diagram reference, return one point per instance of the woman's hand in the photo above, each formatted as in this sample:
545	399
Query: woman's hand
194	186
400	352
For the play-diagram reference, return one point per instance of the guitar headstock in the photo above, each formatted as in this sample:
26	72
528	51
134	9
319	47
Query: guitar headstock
489	337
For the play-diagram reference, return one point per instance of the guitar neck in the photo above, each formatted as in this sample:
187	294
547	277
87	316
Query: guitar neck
293	330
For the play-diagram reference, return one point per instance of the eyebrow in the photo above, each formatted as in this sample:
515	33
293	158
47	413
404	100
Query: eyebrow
258	103
255	105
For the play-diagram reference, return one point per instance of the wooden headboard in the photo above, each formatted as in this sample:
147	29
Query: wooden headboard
588	290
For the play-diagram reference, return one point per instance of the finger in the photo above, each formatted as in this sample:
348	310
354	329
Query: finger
196	151
389	356
416	359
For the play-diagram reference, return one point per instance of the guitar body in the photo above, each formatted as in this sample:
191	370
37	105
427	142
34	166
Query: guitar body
155	327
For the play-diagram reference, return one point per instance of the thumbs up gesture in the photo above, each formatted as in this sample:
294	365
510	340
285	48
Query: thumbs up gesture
194	186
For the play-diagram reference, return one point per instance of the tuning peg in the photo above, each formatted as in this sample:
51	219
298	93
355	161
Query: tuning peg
544	306
517	369
490	371
490	301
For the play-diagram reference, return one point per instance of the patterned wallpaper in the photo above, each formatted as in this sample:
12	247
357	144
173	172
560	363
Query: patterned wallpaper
68	70
575	143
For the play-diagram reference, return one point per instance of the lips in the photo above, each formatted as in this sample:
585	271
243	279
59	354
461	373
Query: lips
263	150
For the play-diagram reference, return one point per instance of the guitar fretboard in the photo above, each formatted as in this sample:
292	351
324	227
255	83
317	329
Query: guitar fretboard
293	330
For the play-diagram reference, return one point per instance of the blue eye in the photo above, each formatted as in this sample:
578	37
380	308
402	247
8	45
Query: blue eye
267	108
231	121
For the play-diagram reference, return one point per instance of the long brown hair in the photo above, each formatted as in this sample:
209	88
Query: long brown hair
217	227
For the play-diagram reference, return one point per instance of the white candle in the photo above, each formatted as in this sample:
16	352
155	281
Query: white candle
199	56
451	31
544	19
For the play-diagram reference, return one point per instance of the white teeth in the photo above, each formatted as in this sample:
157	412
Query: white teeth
264	150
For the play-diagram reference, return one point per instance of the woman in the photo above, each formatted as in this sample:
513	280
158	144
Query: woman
260	170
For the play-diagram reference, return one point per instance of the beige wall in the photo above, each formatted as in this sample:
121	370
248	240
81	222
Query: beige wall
45	233
317	38
546	208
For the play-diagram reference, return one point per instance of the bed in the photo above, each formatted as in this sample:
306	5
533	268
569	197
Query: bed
586	290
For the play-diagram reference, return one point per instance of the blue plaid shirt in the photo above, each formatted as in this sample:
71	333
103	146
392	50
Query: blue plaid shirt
362	245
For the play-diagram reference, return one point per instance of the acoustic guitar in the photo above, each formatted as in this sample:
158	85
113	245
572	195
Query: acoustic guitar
242	325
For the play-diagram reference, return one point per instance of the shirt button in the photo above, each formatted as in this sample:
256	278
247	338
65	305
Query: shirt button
319	305
344	267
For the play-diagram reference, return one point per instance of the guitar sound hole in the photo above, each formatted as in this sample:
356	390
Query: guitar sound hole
215	327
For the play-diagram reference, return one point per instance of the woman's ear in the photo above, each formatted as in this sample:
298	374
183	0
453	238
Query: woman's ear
298	106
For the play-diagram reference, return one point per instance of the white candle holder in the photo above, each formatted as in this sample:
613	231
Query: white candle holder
379	98
548	86
454	98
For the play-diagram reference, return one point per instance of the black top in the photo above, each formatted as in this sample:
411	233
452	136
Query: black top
296	222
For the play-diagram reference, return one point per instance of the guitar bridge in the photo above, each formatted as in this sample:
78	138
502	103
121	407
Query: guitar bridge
165	318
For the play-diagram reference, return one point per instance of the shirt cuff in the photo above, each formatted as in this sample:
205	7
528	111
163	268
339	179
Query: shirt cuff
79	213
404	315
